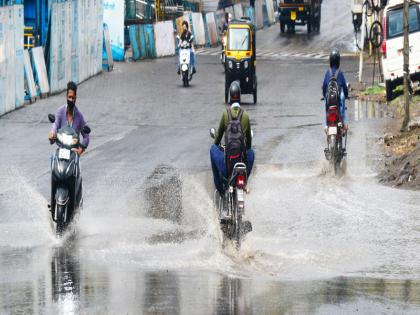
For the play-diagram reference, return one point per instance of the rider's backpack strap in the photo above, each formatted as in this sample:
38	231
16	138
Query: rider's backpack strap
240	115
229	114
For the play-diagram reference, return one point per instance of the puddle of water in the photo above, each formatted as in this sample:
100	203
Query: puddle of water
368	110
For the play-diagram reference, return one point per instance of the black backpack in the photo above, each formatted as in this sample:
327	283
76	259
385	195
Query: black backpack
234	141
333	90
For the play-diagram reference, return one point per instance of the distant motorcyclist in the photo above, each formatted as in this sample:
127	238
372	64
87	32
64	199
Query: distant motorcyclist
188	37
334	73
71	116
228	18
222	165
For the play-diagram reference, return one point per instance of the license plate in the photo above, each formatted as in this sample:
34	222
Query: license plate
293	15
332	131
64	154
240	194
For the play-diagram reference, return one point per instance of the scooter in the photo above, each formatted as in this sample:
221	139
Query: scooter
231	206
66	179
186	71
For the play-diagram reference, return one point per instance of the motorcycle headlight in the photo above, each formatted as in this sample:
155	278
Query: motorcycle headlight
246	64
230	63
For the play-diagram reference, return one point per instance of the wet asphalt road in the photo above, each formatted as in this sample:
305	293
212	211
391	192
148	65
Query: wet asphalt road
147	240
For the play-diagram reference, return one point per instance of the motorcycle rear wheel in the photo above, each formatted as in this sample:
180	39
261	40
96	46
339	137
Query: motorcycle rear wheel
334	161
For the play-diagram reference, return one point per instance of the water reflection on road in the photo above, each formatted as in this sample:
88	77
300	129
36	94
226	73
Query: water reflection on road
364	109
73	286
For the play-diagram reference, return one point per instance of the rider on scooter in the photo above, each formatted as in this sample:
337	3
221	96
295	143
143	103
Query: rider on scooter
217	155
68	115
188	37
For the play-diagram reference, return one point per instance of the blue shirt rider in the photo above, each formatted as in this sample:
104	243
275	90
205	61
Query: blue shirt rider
342	84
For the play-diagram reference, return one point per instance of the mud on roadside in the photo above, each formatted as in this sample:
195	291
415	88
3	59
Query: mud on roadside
401	148
401	167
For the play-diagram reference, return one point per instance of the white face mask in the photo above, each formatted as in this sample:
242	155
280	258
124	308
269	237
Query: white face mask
185	27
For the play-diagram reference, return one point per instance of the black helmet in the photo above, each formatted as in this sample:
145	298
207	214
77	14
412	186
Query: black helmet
335	58
235	92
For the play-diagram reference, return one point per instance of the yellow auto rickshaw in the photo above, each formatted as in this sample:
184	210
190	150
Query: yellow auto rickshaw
240	64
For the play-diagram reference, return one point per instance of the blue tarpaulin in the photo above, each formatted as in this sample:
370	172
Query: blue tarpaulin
142	41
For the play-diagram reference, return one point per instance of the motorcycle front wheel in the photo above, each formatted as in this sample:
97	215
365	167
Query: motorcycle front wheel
60	210
185	78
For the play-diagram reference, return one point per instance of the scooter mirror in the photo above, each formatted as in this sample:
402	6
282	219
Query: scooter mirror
86	129
51	118
213	133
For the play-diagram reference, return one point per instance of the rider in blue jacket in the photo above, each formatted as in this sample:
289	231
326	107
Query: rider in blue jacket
344	92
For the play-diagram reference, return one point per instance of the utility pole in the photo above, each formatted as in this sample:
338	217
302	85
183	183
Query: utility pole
362	39
406	67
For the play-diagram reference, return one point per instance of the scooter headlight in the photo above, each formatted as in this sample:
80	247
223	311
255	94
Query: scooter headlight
184	67
230	64
66	139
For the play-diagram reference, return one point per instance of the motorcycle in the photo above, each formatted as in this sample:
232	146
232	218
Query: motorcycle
66	179
335	151
186	71
231	206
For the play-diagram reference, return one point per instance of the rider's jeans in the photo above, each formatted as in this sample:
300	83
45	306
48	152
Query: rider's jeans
217	157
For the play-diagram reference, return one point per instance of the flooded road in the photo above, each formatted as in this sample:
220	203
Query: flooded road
148	241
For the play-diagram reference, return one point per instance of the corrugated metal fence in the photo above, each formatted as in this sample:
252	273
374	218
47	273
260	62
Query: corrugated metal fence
11	58
142	41
76	42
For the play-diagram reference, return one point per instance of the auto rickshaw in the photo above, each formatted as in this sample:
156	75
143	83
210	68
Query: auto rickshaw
241	62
